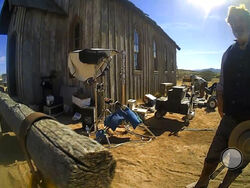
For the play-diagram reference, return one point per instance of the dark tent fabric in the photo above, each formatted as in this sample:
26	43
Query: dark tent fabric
92	56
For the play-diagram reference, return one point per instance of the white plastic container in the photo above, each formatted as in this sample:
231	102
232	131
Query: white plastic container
50	100
131	104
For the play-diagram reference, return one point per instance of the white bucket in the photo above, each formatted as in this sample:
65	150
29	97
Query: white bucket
131	104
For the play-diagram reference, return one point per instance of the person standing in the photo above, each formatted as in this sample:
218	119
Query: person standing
233	93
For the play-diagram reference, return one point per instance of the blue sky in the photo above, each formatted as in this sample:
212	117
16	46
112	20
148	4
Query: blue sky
3	43
197	26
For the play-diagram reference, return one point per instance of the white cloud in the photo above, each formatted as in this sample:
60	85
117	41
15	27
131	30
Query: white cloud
178	25
3	59
196	52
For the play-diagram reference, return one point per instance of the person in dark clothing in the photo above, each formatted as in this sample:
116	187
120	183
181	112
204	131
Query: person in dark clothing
233	94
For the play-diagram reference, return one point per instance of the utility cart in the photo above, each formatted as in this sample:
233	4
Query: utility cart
179	100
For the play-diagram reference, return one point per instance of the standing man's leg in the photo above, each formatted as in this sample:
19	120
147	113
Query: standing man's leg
219	144
231	176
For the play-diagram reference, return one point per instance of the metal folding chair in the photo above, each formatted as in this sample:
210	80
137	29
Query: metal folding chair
122	115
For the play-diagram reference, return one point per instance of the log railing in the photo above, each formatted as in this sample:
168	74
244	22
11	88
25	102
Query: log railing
61	155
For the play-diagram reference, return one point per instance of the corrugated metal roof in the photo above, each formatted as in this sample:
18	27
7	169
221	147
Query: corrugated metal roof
45	5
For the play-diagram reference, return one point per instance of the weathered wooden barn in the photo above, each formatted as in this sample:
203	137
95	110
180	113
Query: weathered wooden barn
41	33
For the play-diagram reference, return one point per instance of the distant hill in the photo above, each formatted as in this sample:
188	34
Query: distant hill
207	74
209	69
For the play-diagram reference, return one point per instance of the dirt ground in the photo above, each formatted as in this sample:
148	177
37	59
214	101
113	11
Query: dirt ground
173	159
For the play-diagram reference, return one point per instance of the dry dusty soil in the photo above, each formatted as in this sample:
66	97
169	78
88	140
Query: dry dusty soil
173	159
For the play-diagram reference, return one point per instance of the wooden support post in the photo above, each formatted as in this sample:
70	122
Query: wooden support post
62	156
123	77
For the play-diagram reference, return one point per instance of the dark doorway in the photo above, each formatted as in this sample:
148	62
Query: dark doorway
11	66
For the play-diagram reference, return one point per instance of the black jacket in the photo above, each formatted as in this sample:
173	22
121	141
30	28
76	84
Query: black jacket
236	73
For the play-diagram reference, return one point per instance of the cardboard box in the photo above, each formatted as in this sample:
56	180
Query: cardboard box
87	115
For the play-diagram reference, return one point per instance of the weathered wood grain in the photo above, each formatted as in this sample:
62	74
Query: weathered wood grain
112	45
44	40
64	157
96	23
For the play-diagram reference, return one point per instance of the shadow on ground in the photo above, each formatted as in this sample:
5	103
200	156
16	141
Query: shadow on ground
156	126
209	110
159	126
10	150
115	140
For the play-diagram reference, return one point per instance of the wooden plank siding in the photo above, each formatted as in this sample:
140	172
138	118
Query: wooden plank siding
131	54
44	41
39	50
15	28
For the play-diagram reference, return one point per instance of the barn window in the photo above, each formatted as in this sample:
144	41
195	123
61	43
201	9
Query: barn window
155	55
166	60
77	38
172	62
76	33
136	50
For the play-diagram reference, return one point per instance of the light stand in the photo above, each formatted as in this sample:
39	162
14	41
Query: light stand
99	88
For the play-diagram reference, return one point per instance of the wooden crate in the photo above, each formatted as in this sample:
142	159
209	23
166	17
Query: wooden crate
54	110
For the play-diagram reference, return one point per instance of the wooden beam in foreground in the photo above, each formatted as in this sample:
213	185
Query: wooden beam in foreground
63	156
